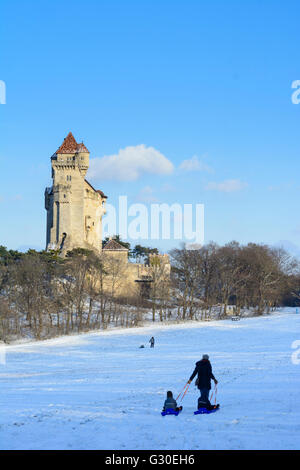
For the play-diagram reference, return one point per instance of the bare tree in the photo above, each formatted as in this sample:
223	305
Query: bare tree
28	295
159	286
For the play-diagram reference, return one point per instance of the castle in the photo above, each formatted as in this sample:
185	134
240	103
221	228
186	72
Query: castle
75	210
74	207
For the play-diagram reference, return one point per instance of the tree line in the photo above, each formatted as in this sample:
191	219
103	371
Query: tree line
254	276
44	295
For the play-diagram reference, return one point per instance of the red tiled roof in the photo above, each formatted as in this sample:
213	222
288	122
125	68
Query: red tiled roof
82	148
70	145
101	193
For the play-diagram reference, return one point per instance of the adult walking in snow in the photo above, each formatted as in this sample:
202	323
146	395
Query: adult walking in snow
204	370
151	341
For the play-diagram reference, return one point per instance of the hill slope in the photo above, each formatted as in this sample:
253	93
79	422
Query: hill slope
100	391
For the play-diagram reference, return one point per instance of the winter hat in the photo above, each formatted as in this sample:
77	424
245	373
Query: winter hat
205	356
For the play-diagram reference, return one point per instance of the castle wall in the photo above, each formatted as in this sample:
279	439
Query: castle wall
94	208
125	276
121	275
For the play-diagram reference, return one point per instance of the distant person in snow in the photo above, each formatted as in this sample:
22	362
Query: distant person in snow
204	370
170	403
151	341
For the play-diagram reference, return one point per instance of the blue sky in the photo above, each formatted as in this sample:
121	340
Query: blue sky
205	82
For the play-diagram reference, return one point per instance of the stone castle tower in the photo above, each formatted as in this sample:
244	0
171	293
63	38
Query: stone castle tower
74	207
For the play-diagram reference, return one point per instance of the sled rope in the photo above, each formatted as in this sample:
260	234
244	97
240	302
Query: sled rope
183	392
214	392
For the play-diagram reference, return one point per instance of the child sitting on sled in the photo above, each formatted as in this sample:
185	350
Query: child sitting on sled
170	403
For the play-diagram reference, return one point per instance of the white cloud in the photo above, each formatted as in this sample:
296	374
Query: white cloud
129	164
195	164
146	195
227	186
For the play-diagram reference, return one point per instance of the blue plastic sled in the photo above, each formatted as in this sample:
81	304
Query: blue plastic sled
170	411
205	411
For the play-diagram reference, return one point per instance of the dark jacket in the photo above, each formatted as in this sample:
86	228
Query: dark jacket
204	371
170	402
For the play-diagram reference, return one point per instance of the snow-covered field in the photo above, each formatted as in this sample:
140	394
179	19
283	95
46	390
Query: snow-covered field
101	391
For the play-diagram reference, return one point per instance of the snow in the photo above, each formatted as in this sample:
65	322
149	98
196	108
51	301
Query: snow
101	391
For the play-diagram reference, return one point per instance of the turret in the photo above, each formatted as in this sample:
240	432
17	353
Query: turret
82	158
74	207
71	155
